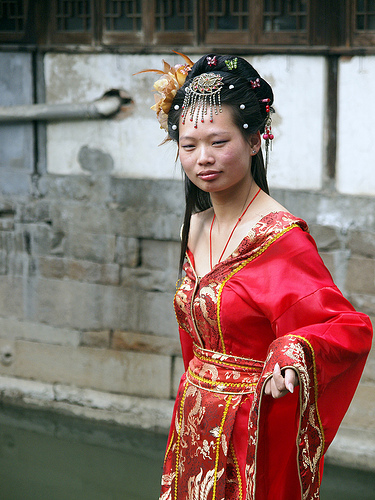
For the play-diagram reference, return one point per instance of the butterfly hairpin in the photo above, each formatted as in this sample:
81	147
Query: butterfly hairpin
255	83
231	63
211	61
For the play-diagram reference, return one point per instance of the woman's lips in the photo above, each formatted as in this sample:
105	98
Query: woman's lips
209	175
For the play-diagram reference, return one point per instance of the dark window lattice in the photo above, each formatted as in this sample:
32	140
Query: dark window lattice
174	15
365	15
228	15
12	16
73	15
123	15
285	15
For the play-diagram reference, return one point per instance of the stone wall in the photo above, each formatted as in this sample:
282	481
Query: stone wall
88	274
87	285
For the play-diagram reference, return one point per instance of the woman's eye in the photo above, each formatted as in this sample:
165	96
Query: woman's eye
219	143
187	146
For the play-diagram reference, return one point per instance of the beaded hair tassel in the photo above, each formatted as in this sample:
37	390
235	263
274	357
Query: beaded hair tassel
268	136
203	92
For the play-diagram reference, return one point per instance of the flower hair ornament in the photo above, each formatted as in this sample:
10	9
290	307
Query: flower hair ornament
172	78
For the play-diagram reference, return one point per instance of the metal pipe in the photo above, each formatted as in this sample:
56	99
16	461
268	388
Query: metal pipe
115	102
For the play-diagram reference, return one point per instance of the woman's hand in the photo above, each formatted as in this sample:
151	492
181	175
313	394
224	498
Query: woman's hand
281	383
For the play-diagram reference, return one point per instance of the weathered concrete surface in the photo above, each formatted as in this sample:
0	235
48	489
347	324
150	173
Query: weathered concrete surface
16	141
134	373
354	445
130	411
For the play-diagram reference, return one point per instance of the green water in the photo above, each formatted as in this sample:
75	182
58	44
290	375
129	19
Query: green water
45	456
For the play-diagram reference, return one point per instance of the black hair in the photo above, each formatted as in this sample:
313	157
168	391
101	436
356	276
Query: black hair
242	84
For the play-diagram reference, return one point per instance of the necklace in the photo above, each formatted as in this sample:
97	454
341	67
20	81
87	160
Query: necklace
231	234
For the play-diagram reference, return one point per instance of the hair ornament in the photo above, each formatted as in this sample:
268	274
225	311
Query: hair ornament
267	135
255	83
171	79
203	92
231	63
242	106
245	125
231	87
176	107
174	127
211	61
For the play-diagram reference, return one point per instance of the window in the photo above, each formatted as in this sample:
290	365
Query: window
13	20
122	22
363	23
228	22
201	25
71	21
285	21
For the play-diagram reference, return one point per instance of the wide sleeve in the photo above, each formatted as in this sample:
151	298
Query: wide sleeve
307	305
319	334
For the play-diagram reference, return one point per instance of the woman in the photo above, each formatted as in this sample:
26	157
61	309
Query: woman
273	352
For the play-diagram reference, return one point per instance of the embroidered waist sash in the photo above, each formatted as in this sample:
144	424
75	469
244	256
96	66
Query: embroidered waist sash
223	373
201	450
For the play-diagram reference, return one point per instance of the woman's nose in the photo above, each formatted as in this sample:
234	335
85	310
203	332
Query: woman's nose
205	156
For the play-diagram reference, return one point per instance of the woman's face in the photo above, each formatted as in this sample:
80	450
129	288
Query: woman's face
215	156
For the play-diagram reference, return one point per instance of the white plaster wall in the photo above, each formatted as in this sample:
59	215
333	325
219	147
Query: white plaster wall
132	142
298	83
356	138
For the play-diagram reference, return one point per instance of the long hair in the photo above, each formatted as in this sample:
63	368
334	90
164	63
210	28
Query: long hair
250	97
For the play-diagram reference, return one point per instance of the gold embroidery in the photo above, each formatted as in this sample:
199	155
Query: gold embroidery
234	365
315	391
220	382
218	445
179	438
237	467
169	446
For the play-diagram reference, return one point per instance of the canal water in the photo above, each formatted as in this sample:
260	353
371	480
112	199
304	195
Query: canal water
47	456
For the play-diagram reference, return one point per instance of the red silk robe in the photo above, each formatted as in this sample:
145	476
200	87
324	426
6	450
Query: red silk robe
272	301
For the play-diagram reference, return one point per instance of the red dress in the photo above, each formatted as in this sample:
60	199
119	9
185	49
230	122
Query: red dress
272	300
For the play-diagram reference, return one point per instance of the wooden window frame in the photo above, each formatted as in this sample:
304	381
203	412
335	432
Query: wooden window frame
358	38
55	36
300	38
228	37
18	36
173	38
331	28
137	38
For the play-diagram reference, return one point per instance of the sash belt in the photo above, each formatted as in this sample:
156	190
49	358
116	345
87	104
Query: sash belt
223	373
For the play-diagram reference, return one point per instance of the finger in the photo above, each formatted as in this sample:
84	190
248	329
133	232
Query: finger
291	379
267	389
271	389
276	392
278	378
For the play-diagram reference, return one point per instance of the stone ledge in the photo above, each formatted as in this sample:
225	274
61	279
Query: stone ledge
130	411
105	370
353	448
